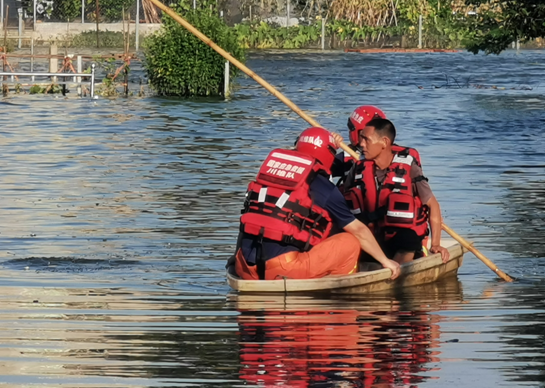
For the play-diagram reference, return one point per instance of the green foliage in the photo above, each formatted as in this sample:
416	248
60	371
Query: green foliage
109	67
499	23
409	11
36	89
10	46
179	64
106	39
264	36
109	10
345	30
51	89
67	10
444	31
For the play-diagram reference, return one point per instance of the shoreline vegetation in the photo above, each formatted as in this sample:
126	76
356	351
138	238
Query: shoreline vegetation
266	36
349	24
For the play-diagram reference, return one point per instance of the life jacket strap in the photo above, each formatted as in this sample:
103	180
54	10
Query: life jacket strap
420	178
259	255
303	218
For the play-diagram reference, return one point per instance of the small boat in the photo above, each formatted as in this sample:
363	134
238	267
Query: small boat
421	271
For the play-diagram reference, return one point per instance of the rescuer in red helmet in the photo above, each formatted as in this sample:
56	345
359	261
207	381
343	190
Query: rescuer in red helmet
356	122
387	191
290	211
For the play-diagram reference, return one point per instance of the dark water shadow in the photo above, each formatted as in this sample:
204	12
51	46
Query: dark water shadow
68	264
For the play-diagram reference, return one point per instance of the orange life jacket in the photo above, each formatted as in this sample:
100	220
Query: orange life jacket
392	202
278	205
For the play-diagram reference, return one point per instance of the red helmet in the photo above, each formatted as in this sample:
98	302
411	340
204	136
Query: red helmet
359	119
318	143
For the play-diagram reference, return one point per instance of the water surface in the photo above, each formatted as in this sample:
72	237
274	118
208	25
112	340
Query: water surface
118	216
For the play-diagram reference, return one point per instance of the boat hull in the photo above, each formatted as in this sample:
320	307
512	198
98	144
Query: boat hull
421	271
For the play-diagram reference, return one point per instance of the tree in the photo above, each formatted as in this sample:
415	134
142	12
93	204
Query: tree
498	23
179	64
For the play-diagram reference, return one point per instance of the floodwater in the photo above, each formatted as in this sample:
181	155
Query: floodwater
117	216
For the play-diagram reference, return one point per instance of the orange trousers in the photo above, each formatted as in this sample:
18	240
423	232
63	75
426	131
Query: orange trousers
336	255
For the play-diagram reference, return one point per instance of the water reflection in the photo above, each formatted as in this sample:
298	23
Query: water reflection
382	341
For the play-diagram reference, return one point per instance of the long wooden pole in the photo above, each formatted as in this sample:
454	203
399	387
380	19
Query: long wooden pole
246	70
303	115
478	254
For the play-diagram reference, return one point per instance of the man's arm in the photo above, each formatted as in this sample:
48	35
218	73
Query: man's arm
435	227
370	245
337	168
423	190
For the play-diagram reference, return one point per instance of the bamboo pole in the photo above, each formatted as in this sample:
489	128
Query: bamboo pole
246	70
478	254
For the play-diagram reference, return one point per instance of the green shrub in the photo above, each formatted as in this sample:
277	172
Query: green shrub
179	64
10	46
106	39
36	89
109	10
262	35
67	10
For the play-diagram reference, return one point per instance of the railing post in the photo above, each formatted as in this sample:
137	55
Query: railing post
79	64
323	33
420	31
34	15
287	13
53	60
32	57
82	11
93	80
226	80
21	27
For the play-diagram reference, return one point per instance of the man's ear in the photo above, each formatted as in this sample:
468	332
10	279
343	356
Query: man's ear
386	141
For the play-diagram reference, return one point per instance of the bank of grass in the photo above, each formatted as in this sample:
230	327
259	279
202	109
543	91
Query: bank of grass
106	39
437	33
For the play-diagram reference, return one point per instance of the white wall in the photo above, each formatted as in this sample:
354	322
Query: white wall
52	31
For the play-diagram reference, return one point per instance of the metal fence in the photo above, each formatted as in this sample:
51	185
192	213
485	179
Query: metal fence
280	12
71	11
